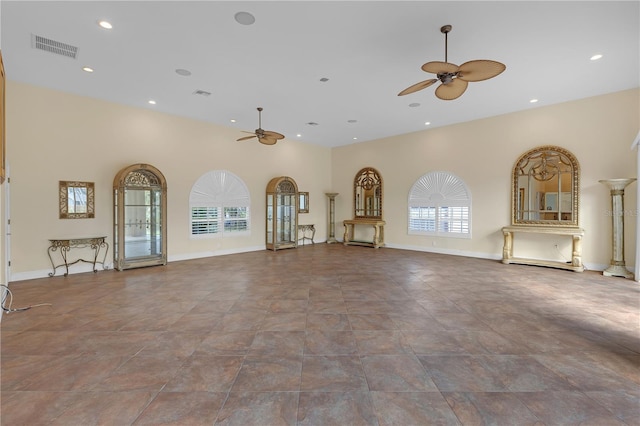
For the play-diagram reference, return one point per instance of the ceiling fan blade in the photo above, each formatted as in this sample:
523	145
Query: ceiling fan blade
453	90
272	135
418	86
437	67
268	141
245	138
482	69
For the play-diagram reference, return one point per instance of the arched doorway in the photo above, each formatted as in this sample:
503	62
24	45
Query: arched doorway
140	219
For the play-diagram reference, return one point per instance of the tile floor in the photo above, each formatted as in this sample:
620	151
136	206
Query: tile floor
324	335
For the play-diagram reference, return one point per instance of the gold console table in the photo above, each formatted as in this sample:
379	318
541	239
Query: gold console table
378	232
576	235
304	229
63	246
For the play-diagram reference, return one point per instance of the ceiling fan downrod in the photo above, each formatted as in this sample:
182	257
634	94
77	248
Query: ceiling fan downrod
445	30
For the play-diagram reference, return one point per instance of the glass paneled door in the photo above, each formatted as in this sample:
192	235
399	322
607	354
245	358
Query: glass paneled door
142	217
139	217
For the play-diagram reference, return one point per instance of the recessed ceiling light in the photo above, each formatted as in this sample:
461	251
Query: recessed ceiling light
183	72
105	24
533	101
244	18
413	105
426	123
152	102
299	135
355	138
233	120
596	57
87	69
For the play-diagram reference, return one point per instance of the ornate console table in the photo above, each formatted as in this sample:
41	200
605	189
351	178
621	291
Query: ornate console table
576	235
63	246
304	229
378	232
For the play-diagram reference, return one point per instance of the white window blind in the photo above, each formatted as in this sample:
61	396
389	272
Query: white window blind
219	203
440	204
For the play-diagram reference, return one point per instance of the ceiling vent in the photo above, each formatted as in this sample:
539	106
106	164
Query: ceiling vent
202	93
57	47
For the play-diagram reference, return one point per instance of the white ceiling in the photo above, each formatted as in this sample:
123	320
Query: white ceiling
369	51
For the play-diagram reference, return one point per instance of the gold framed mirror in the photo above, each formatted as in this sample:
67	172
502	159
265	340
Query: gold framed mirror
546	188
76	200
303	202
367	193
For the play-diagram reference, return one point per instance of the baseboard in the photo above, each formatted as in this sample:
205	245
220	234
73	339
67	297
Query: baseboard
452	252
200	255
80	269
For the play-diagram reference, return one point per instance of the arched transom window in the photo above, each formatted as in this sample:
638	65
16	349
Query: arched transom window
219	203
440	205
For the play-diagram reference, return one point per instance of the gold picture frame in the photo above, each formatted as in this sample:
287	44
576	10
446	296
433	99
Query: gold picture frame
303	202
76	200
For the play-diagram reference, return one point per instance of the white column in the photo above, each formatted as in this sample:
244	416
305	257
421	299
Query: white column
617	267
332	217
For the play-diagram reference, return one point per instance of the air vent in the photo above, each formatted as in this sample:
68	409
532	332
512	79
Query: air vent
57	47
202	93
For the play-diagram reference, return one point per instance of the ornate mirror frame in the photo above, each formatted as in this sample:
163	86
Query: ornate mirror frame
303	202
546	188
76	200
367	194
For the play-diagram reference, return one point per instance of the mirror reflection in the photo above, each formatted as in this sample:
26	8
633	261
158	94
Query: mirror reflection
76	199
545	190
368	194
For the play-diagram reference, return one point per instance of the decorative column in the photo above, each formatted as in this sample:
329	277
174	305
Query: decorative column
617	268
332	217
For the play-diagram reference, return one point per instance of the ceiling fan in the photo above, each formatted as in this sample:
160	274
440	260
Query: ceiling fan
455	78
266	137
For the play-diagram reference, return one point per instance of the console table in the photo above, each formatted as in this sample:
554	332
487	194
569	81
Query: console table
576	235
63	246
378	232
304	229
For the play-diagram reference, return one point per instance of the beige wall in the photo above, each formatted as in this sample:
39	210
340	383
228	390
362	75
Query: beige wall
598	131
54	136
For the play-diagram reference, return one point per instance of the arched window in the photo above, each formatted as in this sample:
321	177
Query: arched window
440	205
219	203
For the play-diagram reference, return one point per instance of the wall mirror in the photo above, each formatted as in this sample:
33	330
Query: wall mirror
367	191
303	202
545	189
76	200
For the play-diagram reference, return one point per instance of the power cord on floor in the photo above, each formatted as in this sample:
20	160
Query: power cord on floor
9	309
565	258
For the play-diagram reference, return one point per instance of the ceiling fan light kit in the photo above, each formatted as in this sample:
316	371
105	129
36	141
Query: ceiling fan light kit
454	79
266	137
